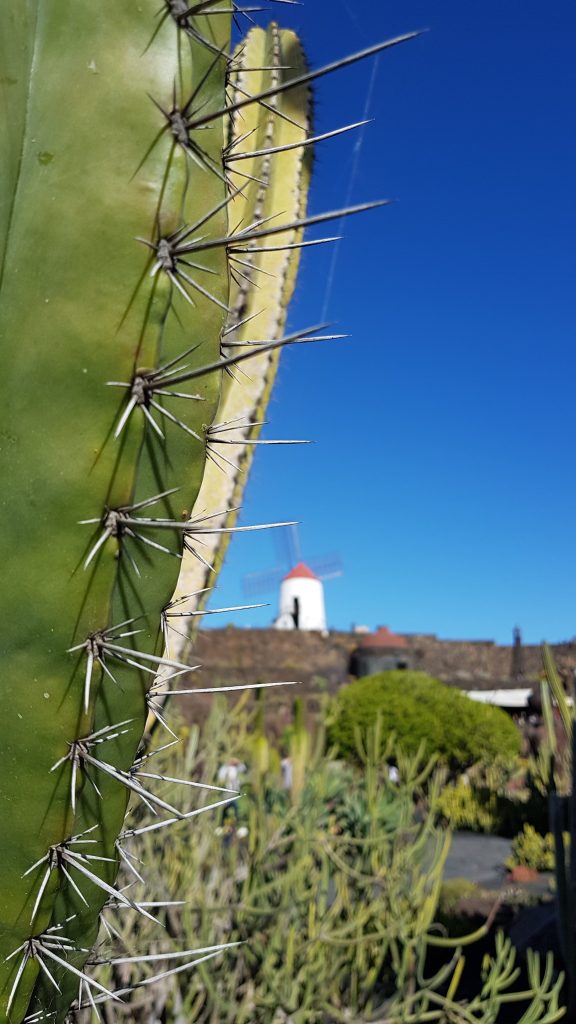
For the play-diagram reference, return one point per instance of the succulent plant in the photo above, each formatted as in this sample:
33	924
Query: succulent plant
331	894
117	244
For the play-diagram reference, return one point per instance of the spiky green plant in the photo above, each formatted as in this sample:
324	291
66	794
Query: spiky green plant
560	781
269	159
116	242
332	894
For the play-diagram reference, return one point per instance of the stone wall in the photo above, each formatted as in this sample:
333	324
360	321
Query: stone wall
321	664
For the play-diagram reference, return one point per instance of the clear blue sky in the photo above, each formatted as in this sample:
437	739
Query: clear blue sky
444	469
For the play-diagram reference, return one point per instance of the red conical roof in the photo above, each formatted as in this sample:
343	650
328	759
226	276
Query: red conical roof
302	572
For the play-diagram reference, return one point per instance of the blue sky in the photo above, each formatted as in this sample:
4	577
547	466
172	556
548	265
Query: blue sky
443	473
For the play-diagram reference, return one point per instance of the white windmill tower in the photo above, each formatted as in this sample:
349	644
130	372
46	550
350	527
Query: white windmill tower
301	601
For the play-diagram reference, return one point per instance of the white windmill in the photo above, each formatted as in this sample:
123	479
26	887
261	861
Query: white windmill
301	603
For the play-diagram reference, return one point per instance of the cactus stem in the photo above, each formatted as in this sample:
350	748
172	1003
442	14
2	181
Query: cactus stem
150	149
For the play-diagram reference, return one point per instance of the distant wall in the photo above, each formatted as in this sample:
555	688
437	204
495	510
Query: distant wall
321	664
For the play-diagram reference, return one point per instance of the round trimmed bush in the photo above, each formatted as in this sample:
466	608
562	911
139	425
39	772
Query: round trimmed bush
418	708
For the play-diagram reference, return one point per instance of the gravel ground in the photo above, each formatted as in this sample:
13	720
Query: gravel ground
478	858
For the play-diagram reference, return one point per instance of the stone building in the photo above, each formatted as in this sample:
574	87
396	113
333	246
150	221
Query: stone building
379	652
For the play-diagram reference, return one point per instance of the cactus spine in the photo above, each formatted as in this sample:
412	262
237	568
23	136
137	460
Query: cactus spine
115	247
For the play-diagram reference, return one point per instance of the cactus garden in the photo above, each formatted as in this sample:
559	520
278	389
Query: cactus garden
157	161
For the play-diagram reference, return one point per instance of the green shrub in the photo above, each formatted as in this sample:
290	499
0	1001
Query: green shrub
533	850
419	709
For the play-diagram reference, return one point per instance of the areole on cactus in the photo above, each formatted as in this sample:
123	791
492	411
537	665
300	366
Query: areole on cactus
118	241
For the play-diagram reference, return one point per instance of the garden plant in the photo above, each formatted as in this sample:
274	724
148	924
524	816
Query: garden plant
331	893
420	709
119	238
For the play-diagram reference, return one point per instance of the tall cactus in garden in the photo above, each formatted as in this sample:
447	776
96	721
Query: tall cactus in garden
118	239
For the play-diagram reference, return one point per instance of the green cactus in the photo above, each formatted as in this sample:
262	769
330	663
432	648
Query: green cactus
261	286
116	249
83	302
559	751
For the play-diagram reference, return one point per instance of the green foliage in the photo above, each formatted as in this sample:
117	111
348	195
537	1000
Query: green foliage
333	897
496	797
465	808
532	850
454	891
419	709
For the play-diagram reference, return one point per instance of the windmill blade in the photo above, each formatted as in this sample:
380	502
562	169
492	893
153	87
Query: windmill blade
263	582
327	567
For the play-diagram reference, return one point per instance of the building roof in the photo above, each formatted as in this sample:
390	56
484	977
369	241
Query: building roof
517	698
383	637
300	571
